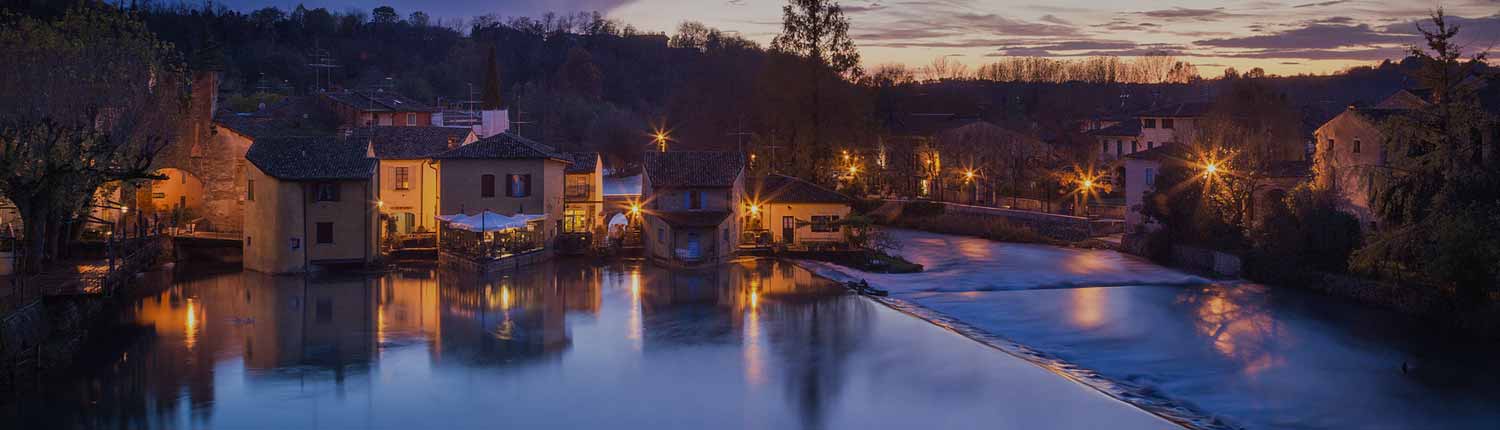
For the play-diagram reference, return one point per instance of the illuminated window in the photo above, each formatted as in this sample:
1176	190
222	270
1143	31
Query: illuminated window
825	223
403	178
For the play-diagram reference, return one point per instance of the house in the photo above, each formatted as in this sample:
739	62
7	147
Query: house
378	107
1171	123
792	212
1349	147
1141	169
209	171
507	175
408	178
583	195
907	162
693	204
309	201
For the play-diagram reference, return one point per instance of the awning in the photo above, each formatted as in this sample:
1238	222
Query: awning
489	221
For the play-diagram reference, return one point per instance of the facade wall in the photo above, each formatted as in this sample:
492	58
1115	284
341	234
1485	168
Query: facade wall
772	216
181	188
459	189
660	240
354	219
419	198
1180	131
280	231
1138	182
1342	169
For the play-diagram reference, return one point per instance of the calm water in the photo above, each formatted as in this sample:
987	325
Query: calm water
755	344
1224	354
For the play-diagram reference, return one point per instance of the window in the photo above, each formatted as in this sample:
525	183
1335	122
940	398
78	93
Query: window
1119	147
403	178
726	234
1150	176
250	190
1104	147
693	200
661	236
1166	123
1133	147
328	192
487	186
249	242
518	185
1330	145
825	223
325	232
411	119
1150	144
1356	146
182	177
575	220
1148	123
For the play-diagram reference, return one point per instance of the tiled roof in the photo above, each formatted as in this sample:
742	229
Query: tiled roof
1179	110
693	218
503	146
787	189
292	116
411	142
311	158
1127	127
378	101
1160	153
583	162
1378	115
693	168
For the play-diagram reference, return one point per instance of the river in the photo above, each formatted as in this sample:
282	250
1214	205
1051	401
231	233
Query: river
565	344
1220	354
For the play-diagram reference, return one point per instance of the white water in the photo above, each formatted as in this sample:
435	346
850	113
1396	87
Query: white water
1213	354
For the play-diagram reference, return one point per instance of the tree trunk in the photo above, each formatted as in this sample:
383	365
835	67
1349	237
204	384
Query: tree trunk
34	220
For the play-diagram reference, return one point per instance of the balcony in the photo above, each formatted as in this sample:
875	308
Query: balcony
577	191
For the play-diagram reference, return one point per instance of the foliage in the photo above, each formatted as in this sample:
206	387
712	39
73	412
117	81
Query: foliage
252	102
921	208
1438	195
1304	232
1186	212
818	31
88	98
491	97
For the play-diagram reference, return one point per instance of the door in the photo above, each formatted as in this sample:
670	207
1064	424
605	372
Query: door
408	222
788	229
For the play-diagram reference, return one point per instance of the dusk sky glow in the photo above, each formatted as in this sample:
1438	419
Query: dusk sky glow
1301	36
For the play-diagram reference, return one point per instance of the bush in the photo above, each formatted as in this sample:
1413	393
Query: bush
979	226
1303	234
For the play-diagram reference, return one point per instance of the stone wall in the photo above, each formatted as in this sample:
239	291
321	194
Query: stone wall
1060	227
213	155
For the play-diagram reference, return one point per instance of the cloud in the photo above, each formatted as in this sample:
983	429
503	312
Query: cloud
1320	4
1055	20
1313	36
1089	48
1214	14
443	8
1289	63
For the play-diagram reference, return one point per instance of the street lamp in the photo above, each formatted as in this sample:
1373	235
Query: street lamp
661	140
1211	168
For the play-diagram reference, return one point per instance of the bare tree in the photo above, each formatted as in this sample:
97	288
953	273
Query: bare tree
87	99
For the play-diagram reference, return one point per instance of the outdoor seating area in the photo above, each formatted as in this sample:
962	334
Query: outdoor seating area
489	237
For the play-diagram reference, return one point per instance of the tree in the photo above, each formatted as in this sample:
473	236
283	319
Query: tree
1245	134
580	76
88	99
817	30
816	34
385	15
491	97
1437	196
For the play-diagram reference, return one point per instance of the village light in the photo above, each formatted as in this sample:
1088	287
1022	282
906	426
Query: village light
124	209
1211	168
1088	184
635	208
853	170
969	175
380	203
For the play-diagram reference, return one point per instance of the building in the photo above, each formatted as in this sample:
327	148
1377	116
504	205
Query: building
408	178
378	107
583	195
309	201
693	204
507	175
1348	147
791	212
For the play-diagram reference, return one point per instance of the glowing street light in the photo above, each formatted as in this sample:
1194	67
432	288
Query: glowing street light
969	175
1088	184
635	209
661	140
1211	168
853	170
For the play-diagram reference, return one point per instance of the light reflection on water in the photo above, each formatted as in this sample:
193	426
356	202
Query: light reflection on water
757	344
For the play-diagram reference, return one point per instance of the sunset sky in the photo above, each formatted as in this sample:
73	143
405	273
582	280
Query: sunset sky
1283	37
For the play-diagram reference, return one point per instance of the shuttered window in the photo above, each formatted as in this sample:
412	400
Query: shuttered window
487	186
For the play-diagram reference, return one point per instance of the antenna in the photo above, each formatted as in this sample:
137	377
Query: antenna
322	65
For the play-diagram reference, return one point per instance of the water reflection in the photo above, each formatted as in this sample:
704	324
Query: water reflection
208	345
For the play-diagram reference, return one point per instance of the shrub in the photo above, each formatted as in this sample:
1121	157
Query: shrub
979	226
1305	233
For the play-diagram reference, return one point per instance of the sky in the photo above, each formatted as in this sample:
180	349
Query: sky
1282	37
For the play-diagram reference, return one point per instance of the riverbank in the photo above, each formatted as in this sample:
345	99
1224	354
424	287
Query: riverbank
1219	354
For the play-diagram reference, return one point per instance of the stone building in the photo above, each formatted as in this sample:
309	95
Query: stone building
309	202
694	201
789	211
504	174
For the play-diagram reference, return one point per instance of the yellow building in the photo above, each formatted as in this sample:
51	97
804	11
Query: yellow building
792	212
408	178
693	202
505	174
309	201
583	195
